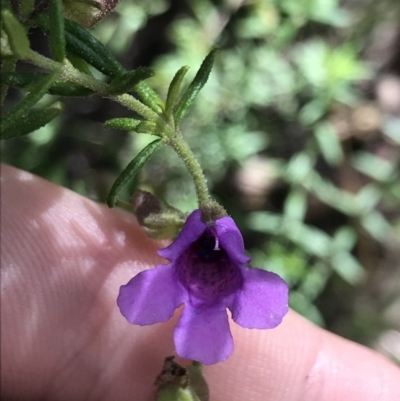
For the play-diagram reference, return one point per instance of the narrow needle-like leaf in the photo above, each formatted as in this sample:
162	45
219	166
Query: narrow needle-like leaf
127	82
17	36
37	90
131	170
149	97
173	90
31	121
57	35
194	88
126	124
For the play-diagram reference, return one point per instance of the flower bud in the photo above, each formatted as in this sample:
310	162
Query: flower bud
84	12
88	12
176	383
159	220
211	211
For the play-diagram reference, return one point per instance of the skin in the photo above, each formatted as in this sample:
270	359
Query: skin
63	338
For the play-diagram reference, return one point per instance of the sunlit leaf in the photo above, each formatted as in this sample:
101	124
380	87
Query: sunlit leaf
194	88
37	91
174	89
31	121
17	36
126	124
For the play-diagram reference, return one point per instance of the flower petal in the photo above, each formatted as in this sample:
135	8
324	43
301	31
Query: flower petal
231	239
203	334
191	231
263	300
151	296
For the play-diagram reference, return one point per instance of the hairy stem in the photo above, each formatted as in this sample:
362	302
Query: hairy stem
187	156
172	138
70	74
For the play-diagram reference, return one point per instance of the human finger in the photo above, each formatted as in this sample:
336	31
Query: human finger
64	258
298	361
75	256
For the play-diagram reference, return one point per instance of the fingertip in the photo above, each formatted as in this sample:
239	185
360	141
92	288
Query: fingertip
299	361
350	371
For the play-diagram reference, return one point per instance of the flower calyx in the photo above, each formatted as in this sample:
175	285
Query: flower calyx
88	12
159	220
211	211
176	383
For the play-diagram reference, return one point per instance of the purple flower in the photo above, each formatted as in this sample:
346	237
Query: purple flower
207	274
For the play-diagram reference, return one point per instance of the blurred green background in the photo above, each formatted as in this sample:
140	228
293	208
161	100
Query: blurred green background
298	131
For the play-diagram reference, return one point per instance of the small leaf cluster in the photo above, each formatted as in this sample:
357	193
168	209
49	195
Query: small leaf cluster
75	51
170	114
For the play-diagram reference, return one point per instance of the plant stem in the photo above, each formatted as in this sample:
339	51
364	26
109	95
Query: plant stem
187	156
71	74
171	137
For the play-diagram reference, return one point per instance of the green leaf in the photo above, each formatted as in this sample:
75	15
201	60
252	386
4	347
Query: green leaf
68	90
21	80
37	91
78	63
311	239
265	222
131	170
305	307
329	143
130	124
127	82
56	23
81	42
127	124
344	238
295	205
5	5
146	127
31	121
5	50
299	168
347	267
174	89
17	36
376	225
149	97
375	167
26	7
194	88
313	111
